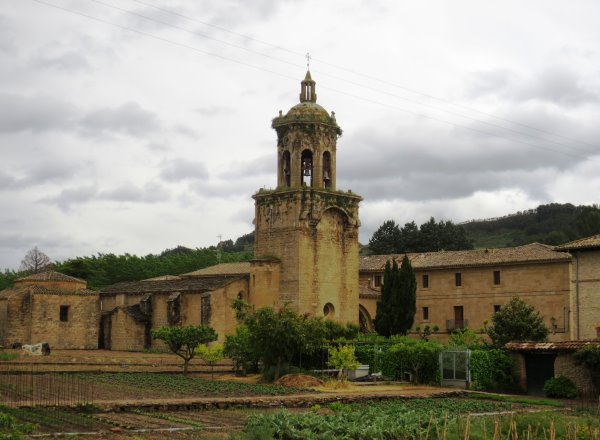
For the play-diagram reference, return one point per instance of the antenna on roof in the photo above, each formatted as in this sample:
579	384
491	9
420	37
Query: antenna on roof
220	237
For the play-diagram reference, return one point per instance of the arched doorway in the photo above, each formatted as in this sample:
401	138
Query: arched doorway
365	321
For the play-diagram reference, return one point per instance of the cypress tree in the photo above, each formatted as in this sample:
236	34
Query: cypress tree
383	316
407	297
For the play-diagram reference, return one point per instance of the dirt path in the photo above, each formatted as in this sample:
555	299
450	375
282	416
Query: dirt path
289	401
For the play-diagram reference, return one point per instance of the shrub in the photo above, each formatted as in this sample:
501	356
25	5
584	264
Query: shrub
420	358
590	357
342	358
560	386
491	370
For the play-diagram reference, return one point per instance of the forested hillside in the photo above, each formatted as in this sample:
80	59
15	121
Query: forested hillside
551	224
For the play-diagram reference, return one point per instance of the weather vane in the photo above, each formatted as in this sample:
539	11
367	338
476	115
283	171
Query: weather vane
308	60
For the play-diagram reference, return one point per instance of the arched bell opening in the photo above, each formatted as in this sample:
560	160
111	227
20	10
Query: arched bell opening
287	173
326	169
306	173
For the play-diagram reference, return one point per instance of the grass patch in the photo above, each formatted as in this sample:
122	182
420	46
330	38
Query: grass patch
8	356
516	399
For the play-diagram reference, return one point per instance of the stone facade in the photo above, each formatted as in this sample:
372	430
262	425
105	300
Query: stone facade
585	287
132	310
305	224
561	361
50	307
461	290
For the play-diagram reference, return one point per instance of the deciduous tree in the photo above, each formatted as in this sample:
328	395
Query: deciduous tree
35	261
183	341
517	321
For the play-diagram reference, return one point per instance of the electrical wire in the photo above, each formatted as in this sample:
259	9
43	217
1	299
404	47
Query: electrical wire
225	58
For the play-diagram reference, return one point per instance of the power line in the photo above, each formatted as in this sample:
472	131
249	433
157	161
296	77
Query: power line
202	35
186	46
371	77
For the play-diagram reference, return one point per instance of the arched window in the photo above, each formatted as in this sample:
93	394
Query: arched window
306	173
326	169
286	169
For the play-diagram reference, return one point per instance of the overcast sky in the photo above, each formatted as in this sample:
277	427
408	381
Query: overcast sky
139	125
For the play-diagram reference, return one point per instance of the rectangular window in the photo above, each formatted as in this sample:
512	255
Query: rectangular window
425	281
458	279
497	308
496	277
377	281
425	313
459	317
64	313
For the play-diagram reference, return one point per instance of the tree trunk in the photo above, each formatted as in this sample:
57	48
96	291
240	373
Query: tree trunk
185	366
277	368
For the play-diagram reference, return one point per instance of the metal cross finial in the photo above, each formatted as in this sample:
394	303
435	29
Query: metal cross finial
308	60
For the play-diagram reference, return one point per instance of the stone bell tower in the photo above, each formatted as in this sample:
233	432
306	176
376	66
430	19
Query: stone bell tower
305	223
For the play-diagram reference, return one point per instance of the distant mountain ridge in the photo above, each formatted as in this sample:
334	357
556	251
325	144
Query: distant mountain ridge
553	224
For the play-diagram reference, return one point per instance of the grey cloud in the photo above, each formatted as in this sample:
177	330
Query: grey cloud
214	110
149	193
68	62
72	196
6	181
129	118
263	165
7	36
36	113
438	165
176	170
557	84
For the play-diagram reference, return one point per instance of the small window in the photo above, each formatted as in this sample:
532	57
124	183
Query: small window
64	313
377	281
496	277
328	310
425	281
497	308
425	313
458	279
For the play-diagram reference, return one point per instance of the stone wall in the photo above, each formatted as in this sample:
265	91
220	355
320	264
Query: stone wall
585	288
565	365
126	334
18	312
314	234
543	285
79	331
263	289
519	370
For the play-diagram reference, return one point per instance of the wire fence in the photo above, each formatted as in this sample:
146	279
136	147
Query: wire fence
33	388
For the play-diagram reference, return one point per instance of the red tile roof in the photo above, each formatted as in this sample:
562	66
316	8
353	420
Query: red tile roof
550	346
530	253
592	242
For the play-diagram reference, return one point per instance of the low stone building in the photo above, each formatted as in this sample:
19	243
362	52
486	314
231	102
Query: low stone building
458	289
536	362
49	307
131	310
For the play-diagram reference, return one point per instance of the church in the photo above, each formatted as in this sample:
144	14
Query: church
306	256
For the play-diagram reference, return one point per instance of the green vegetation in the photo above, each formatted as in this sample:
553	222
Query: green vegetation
342	358
553	224
10	428
417	357
396	306
491	370
464	337
590	357
515	399
211	355
516	321
561	387
422	419
181	385
430	236
8	356
184	341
